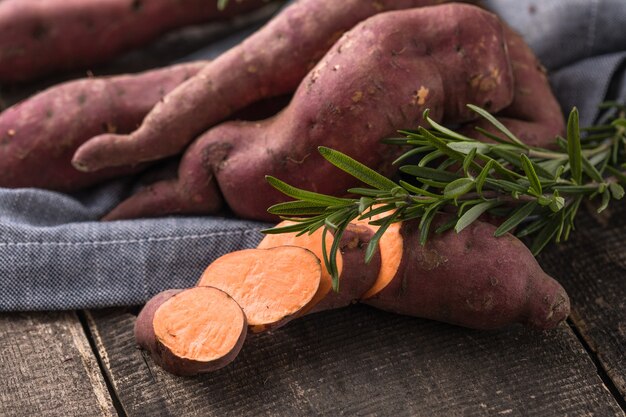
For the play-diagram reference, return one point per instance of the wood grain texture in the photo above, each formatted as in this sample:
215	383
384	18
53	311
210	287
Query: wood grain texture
47	368
592	268
360	361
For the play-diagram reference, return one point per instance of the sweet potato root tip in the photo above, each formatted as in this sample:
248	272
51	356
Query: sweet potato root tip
192	331
201	324
271	285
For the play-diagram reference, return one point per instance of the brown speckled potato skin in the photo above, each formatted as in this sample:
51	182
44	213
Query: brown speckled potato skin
379	76
41	37
39	135
474	280
271	62
146	339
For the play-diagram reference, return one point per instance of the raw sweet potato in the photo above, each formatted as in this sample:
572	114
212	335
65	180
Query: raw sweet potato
435	57
271	62
271	285
535	115
39	136
40	37
470	279
190	331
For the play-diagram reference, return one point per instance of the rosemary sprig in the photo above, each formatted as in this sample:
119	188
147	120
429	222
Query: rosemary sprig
536	191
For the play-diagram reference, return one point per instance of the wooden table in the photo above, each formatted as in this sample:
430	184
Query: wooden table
353	361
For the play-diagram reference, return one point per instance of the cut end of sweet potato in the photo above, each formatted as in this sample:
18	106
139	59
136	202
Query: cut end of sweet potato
202	324
192	331
271	285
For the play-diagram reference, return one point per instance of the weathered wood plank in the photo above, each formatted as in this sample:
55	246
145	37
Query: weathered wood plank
592	268
47	368
360	361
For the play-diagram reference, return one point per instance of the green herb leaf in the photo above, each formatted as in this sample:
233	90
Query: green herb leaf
516	218
357	169
372	246
545	236
431	173
482	177
467	162
297	208
617	191
485	114
535	184
573	146
472	214
467	147
458	187
606	199
309	196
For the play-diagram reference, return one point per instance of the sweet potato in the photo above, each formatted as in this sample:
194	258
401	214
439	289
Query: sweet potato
535	115
435	57
40	37
470	279
191	331
39	136
271	62
271	285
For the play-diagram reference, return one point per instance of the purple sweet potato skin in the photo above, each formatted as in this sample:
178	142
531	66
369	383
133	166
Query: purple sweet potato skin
472	279
39	135
271	62
144	330
146	339
535	115
356	276
447	56
40	37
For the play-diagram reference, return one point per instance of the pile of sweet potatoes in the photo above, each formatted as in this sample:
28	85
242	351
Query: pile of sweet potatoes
394	59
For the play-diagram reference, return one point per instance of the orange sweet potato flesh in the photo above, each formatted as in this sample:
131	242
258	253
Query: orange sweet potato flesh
355	276
271	285
39	135
41	37
191	331
408	61
271	62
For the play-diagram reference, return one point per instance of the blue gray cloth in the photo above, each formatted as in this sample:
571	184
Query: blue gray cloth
54	254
